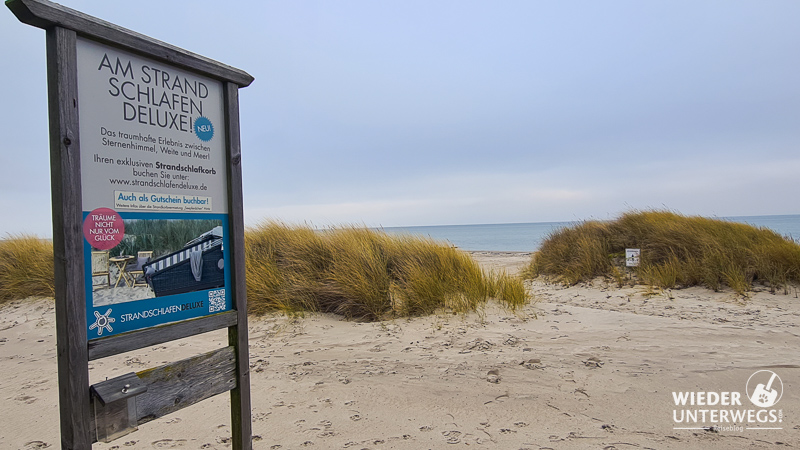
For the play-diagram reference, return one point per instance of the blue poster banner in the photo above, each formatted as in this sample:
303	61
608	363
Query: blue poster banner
162	268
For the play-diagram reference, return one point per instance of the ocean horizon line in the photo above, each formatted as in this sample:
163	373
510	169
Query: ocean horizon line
380	227
528	236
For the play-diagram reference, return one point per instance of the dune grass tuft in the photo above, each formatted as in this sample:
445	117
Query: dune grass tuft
26	268
365	275
676	251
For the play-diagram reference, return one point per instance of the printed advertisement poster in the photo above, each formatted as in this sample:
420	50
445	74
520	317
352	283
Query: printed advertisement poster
154	192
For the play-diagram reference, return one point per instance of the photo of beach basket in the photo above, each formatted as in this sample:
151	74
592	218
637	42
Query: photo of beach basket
199	265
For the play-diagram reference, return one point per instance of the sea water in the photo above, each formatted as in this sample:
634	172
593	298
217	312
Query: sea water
527	237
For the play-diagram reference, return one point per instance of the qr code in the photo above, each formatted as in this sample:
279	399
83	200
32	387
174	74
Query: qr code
216	300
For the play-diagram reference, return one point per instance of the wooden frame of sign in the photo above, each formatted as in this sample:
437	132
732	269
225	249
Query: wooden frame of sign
201	376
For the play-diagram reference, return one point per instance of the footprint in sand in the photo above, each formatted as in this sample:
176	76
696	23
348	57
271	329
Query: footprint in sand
452	437
35	445
593	362
25	398
533	363
479	345
261	416
259	365
33	384
168	443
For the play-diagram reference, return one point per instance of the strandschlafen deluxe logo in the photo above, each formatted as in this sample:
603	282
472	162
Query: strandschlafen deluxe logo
730	411
102	321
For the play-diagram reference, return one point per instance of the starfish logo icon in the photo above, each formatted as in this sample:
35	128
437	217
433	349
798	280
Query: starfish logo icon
103	321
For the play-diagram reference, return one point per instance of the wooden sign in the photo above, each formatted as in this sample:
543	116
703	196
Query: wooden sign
144	137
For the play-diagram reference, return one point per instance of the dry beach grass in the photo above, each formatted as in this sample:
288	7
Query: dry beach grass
366	274
677	251
26	268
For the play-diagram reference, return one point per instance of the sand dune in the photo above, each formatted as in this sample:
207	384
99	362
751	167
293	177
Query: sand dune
589	366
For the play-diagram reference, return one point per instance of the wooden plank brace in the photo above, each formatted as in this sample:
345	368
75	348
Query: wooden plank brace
171	387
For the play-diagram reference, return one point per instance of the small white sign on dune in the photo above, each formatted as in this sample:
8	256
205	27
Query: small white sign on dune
632	257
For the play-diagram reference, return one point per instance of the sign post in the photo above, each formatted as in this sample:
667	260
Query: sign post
146	185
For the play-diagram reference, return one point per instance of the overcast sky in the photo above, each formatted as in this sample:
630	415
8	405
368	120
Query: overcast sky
400	113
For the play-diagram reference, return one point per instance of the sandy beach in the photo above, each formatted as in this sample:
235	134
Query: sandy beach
587	366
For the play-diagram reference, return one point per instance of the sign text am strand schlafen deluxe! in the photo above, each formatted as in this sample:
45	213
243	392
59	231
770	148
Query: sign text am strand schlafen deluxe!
153	96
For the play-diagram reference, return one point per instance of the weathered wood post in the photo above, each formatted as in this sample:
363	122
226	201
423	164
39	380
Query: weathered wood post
141	131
